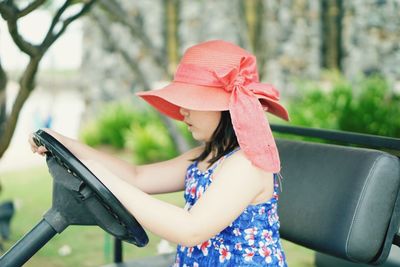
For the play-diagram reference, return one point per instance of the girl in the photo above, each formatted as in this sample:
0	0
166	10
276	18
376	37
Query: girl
230	183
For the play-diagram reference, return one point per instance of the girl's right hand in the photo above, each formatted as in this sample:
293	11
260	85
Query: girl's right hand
41	150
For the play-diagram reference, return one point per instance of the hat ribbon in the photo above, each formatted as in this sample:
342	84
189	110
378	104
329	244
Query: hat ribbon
251	126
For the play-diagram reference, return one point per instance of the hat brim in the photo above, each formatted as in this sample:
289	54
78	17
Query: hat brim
169	99
274	107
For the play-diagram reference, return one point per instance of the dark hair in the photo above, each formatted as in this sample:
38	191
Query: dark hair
222	141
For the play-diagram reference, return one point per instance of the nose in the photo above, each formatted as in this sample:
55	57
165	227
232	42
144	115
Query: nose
184	111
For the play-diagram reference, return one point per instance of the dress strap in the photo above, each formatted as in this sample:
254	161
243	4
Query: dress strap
278	183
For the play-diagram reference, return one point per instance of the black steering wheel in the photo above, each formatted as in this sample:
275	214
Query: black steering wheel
105	208
79	198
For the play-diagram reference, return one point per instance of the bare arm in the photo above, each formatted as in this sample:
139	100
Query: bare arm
162	177
225	199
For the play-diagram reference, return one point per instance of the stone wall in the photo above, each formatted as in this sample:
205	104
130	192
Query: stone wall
293	42
371	38
292	33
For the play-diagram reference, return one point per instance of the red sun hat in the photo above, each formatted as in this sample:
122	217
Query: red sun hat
216	76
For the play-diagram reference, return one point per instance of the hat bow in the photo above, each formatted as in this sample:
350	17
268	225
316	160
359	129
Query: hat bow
248	119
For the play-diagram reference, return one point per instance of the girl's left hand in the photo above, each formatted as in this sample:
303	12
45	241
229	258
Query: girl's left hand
41	150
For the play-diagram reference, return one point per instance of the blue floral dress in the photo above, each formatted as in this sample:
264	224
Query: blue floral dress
251	240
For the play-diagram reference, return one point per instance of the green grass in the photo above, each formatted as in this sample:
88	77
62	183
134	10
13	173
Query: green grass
90	246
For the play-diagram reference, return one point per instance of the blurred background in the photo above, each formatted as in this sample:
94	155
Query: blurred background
74	66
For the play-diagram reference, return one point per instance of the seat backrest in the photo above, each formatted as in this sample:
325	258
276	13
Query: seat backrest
339	200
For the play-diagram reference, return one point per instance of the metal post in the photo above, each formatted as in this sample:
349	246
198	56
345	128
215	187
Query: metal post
117	250
28	245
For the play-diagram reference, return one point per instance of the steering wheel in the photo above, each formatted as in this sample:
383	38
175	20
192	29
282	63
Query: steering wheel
101	204
79	198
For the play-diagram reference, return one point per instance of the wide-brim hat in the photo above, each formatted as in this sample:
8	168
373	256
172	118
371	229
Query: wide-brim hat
216	76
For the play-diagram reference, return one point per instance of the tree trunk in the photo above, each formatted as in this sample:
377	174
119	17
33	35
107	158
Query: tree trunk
27	84
331	16
171	36
12	13
3	99
252	12
259	43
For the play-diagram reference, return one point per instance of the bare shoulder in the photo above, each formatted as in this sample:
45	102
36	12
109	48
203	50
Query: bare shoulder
238	163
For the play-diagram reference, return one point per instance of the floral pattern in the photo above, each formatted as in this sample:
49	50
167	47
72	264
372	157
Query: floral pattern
251	240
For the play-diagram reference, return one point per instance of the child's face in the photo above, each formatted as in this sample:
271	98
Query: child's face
202	124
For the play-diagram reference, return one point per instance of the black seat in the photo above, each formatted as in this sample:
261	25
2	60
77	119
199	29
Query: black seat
342	201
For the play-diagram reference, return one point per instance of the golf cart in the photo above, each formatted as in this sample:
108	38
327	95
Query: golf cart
339	200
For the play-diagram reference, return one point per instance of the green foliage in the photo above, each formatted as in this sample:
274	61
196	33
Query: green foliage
367	105
149	139
110	126
139	130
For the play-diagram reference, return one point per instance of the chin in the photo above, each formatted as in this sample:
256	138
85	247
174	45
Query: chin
199	138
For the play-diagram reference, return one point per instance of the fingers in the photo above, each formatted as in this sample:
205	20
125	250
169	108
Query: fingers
41	150
32	143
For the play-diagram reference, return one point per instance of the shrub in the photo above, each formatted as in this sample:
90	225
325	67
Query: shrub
110	126
366	106
140	130
149	139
